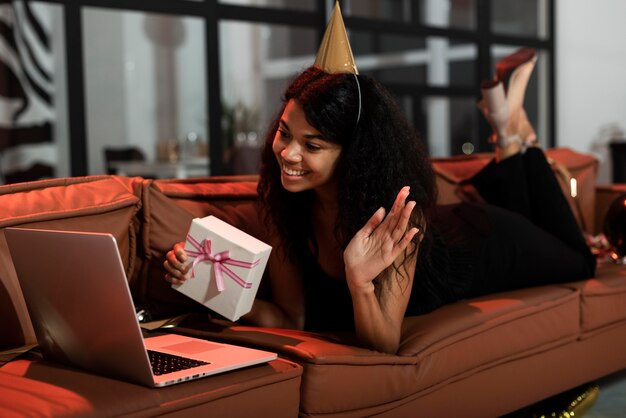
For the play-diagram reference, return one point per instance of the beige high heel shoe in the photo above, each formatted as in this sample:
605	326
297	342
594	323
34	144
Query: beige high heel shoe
514	71
495	108
510	65
505	109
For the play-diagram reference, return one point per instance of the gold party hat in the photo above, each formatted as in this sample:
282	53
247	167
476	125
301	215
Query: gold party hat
335	54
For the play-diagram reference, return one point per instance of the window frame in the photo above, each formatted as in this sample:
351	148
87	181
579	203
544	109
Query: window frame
213	12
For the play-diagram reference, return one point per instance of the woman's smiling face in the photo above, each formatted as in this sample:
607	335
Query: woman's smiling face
307	161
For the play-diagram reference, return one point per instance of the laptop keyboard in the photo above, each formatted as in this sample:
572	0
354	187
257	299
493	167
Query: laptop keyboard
163	363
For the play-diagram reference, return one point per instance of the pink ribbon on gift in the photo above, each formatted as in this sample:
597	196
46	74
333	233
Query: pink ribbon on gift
219	260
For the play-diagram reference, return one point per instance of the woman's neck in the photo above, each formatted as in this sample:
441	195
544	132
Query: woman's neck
326	201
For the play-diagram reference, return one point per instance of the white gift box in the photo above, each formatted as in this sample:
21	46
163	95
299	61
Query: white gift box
227	267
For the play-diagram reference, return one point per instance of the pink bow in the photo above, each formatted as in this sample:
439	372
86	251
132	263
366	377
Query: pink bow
219	260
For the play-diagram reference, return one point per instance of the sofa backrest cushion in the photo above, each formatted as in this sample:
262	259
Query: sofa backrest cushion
453	175
99	204
168	209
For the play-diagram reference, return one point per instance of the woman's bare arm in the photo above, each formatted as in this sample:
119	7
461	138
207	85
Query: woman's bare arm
381	248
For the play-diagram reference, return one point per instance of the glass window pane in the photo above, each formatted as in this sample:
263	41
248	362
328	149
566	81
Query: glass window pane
536	100
257	62
523	18
280	4
432	61
461	14
33	115
145	87
448	126
452	13
451	125
464	119
395	10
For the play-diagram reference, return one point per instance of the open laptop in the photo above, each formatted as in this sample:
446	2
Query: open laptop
81	308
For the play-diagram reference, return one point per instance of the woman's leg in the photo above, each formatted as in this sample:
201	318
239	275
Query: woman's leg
526	184
515	253
520	178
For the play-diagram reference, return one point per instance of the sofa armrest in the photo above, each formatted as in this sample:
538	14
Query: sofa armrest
605	195
95	203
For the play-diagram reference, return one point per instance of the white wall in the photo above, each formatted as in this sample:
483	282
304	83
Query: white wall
591	75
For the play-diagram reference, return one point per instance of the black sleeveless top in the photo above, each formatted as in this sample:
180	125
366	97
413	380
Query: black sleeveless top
444	273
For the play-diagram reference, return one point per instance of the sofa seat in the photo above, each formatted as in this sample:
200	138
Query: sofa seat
603	299
33	387
448	344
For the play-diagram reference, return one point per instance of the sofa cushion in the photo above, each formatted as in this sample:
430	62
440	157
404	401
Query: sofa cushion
451	343
605	195
39	388
603	298
168	209
98	204
584	169
453	175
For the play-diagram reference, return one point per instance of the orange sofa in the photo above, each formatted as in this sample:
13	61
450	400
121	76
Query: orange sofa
482	357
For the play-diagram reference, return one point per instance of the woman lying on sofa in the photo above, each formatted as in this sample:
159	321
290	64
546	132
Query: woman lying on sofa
349	194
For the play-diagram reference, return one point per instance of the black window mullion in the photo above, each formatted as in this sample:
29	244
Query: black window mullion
416	13
484	70
520	41
214	92
322	19
407	28
552	132
76	90
269	16
426	90
190	8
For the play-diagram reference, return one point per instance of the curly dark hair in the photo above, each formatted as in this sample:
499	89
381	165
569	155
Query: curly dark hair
379	155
